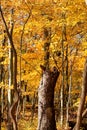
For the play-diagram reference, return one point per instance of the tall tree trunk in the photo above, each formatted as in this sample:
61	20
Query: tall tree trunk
21	42
46	112
10	70
82	100
2	80
24	98
13	108
69	95
33	106
62	84
10	84
67	88
1	93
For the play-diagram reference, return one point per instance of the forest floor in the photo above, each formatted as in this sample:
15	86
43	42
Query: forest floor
27	123
24	124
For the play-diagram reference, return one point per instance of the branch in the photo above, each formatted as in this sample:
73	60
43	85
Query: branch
7	30
25	24
12	22
84	113
6	27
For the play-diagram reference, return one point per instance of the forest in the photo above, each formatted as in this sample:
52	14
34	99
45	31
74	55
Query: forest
43	65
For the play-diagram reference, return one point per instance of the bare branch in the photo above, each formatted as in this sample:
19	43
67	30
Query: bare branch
7	30
6	27
30	11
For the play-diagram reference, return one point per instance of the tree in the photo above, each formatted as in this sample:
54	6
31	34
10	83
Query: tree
82	99
9	126
2	79
46	112
47	13
13	107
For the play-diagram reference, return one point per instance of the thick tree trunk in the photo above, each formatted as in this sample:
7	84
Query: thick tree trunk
46	112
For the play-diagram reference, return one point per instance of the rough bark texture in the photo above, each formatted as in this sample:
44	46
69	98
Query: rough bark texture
46	112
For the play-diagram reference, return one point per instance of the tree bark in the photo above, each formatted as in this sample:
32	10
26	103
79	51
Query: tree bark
63	71
2	78
46	112
10	71
82	100
13	108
